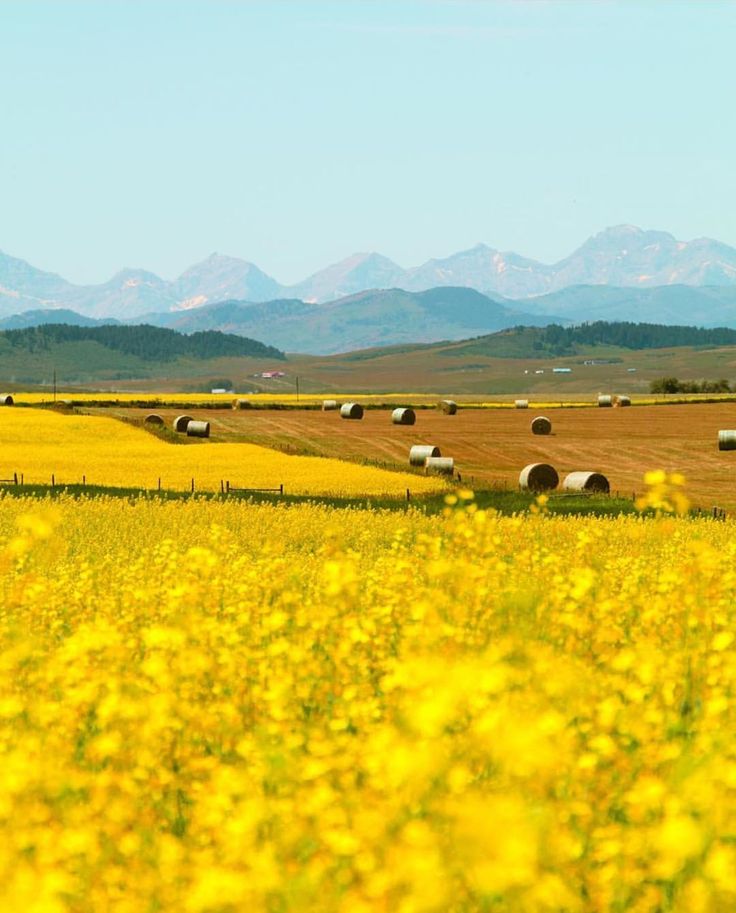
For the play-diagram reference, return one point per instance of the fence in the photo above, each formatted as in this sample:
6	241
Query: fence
226	488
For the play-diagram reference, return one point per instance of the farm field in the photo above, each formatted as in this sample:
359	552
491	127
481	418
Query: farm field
457	366
39	444
289	400
491	446
226	708
431	370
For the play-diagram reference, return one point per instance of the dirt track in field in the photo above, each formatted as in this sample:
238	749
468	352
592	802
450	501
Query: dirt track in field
492	446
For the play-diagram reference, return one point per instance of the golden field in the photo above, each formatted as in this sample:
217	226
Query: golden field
107	452
491	446
217	707
544	400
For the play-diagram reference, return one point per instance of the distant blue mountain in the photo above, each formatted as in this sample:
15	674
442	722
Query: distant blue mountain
56	315
622	256
368	319
393	316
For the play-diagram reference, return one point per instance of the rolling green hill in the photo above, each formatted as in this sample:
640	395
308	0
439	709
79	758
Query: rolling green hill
146	342
554	341
624	357
88	355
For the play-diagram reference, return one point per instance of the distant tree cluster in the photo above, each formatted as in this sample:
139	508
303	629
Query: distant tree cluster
146	342
559	340
673	385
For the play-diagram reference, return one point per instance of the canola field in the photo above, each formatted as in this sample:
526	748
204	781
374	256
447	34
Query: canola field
225	400
225	708
41	443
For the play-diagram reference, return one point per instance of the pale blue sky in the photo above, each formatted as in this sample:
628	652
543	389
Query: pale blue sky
294	133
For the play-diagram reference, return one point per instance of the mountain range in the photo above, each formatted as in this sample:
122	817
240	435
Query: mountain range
365	320
384	317
623	256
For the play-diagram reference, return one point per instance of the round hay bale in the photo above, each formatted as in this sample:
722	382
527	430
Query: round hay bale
622	401
441	465
154	419
63	405
403	417
727	440
541	425
586	481
538	477
181	422
329	405
198	429
351	411
421	452
521	403
448	406
6	400
605	400
242	404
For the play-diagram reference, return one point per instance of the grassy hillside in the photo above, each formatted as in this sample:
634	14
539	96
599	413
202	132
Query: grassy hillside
553	341
118	354
510	362
444	371
88	364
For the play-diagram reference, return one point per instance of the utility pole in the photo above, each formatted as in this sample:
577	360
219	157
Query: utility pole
54	384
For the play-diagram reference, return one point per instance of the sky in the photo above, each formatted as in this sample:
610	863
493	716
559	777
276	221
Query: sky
150	133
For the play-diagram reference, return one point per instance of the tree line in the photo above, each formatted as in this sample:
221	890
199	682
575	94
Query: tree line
144	341
673	385
559	340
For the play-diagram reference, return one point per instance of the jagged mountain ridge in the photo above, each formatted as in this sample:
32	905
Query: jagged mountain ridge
624	256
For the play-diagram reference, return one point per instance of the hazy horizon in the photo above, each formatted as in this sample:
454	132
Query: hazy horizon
293	135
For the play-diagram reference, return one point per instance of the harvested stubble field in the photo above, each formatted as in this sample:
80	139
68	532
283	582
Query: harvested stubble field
491	446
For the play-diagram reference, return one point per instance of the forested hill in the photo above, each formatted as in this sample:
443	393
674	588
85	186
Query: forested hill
146	342
635	335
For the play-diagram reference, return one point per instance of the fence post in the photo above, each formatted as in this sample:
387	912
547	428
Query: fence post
159	484
408	495
222	487
192	485
84	480
53	480
15	478
281	488
227	486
